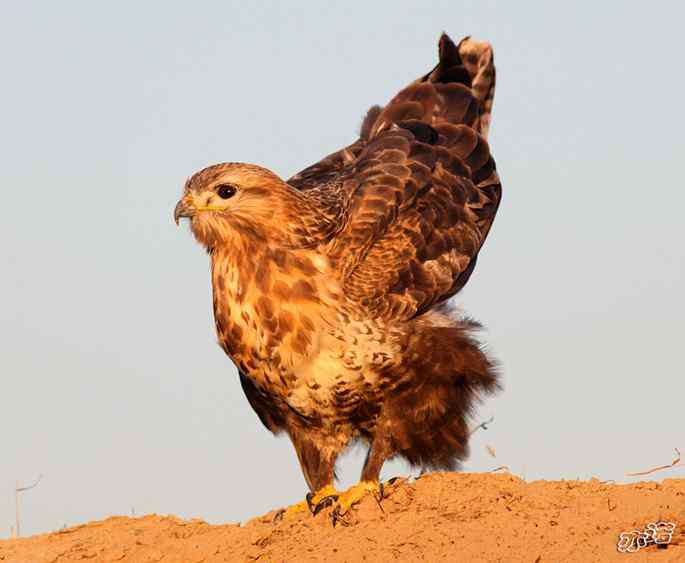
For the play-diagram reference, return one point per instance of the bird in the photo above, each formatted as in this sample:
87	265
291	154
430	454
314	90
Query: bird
331	289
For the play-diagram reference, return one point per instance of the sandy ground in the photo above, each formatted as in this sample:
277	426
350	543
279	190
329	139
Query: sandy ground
440	517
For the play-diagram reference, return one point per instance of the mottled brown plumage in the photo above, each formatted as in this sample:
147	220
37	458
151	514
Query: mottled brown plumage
330	289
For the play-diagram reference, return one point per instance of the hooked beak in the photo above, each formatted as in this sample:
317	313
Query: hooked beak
184	208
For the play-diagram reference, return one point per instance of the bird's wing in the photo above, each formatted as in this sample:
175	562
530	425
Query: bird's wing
418	192
268	415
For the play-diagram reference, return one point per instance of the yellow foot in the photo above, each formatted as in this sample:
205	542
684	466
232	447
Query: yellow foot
313	503
352	496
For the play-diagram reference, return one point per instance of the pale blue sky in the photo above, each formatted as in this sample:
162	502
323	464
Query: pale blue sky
113	386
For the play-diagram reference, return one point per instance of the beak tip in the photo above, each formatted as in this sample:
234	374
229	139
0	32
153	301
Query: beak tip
182	209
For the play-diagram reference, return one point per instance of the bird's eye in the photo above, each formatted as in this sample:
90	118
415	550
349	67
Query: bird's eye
226	191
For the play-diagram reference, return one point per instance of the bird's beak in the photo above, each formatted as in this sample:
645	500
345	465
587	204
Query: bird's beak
184	208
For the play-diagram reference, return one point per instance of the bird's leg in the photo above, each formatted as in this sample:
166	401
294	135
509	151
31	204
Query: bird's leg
370	479
318	467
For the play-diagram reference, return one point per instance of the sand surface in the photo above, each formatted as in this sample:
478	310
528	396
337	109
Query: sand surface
440	517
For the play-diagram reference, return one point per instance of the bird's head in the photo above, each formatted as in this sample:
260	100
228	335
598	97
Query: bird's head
232	200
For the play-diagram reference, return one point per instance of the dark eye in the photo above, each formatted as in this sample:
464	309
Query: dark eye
226	191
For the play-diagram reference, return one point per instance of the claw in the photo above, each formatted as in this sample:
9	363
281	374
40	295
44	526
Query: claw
325	502
380	496
310	502
336	517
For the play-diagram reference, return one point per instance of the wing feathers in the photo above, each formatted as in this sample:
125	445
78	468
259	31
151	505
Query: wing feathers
417	193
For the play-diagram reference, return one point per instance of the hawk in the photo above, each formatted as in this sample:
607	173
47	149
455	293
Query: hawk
330	289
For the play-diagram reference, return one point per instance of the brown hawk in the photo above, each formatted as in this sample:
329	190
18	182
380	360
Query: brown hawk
330	289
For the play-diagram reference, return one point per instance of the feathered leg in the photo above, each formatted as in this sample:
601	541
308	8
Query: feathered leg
317	460
379	451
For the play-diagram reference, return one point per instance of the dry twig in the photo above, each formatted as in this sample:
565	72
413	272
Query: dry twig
674	463
483	425
500	468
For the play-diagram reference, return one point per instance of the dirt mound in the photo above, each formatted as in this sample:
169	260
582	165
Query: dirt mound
440	517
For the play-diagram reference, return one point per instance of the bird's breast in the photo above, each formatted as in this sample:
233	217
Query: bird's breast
271	310
279	317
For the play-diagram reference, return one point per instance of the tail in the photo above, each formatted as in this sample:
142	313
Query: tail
478	59
459	90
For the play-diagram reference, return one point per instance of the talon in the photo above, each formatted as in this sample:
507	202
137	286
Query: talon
278	516
380	496
336	517
324	503
311	503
